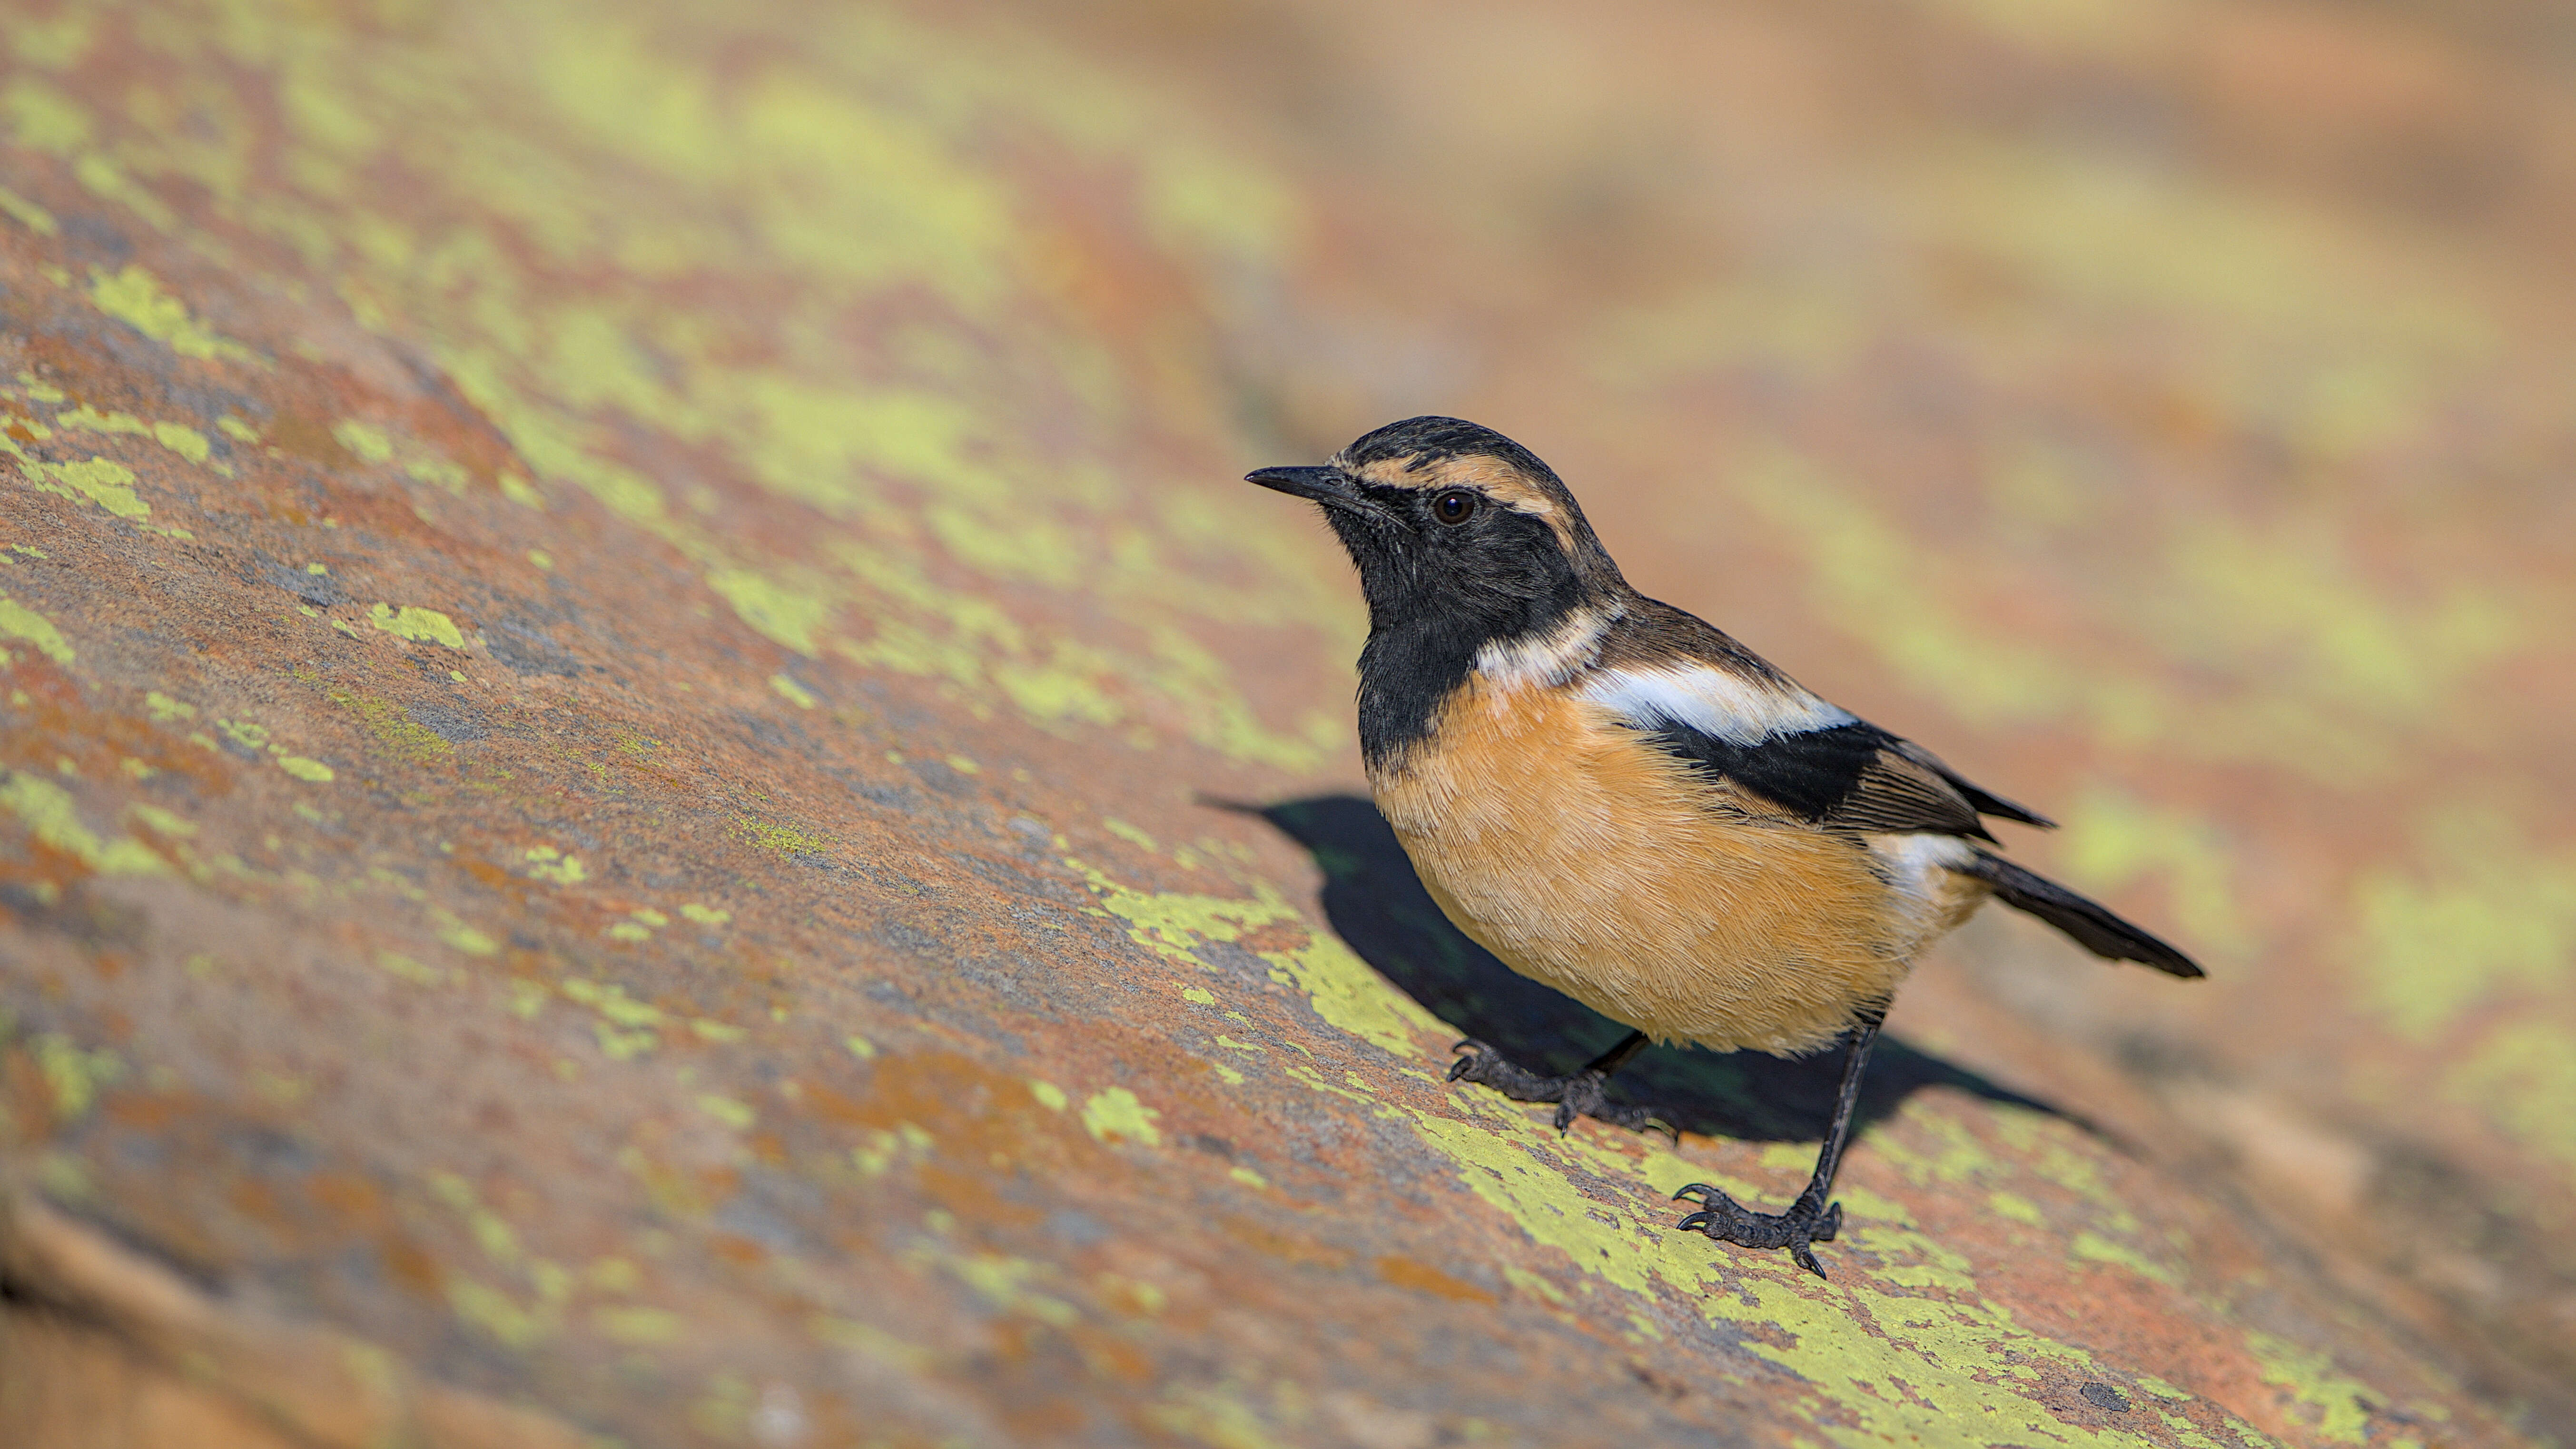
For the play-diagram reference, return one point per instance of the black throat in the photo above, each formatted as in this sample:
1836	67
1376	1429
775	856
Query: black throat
1426	626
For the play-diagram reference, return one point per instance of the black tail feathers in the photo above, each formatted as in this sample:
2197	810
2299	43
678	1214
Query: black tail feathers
2089	922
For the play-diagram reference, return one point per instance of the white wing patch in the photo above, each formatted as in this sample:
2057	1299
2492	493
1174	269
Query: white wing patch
1716	702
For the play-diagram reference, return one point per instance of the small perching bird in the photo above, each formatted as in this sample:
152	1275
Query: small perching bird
1623	803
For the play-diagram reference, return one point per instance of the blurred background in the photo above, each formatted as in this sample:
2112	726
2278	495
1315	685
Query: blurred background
2163	409
2167	410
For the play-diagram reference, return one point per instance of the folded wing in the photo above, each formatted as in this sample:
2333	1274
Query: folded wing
1767	744
1771	739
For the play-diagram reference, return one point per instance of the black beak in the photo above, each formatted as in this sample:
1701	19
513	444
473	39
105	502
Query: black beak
1330	487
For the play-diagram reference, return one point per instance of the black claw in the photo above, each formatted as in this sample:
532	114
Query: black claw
1729	1221
1471	1055
1576	1094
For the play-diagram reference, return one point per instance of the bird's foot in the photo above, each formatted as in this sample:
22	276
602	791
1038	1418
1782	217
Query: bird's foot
1729	1221
1577	1094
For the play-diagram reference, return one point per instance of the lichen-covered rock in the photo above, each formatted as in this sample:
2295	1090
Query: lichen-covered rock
659	789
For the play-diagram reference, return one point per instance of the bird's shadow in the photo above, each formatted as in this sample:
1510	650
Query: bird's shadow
1376	903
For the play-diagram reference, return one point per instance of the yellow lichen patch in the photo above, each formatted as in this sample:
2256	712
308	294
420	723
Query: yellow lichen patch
790	691
637	1325
367	444
1129	833
162	822
1343	989
27	213
73	1075
462	936
134	296
790	616
17	621
1215	1419
612	1003
2486	912
396	731
102	481
876	1156
627	1028
420	626
704	915
2522	1076
311	771
395	964
527	998
778	839
51	816
44	118
496	1313
2016	1207
1888	1366
2097	1248
736	1115
2341	1406
546	863
244	733
185	441
1117	1115
2113	839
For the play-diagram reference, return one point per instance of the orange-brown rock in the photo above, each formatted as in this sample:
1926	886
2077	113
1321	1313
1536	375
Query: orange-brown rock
659	790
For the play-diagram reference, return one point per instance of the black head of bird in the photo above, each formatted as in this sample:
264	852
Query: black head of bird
1463	540
1451	523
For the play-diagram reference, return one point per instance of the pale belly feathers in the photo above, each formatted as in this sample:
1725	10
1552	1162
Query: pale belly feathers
1586	858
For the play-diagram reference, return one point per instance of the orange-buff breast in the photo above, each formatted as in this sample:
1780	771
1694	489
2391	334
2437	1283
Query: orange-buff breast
1587	858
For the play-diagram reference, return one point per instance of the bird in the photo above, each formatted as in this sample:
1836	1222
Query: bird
1620	801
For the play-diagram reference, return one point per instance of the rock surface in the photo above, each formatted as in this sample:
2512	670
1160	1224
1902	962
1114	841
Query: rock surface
661	791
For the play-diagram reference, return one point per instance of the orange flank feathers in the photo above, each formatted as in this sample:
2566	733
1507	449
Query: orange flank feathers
1583	856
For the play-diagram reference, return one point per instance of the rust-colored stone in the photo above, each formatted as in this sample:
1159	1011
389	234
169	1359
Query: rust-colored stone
626	627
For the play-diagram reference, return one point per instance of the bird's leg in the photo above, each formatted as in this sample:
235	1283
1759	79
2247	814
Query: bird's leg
1577	1094
1808	1220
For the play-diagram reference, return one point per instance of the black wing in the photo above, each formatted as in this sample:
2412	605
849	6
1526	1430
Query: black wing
1854	777
1850	775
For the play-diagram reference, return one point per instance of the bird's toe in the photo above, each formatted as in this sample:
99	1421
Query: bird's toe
1728	1221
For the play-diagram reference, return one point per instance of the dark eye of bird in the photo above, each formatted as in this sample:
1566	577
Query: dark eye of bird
1454	507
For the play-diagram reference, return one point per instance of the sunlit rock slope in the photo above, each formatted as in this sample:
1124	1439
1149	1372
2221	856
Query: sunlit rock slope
659	790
